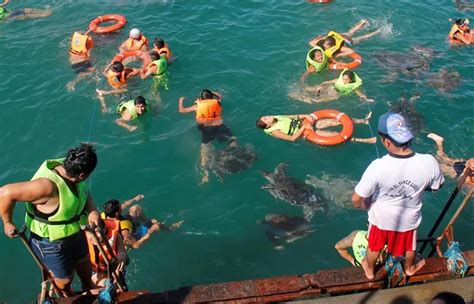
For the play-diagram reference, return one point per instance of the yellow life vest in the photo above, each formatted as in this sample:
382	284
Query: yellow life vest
339	44
80	44
454	29
134	44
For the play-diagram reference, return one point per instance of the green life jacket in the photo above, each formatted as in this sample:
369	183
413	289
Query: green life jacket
69	216
162	66
359	245
319	66
128	105
4	13
284	124
347	89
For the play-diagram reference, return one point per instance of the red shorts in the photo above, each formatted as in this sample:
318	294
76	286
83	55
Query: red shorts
398	243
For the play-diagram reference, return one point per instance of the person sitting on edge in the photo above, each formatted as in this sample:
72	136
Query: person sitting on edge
22	13
459	29
392	189
57	204
452	167
291	127
111	229
135	42
316	61
209	121
163	49
117	76
79	57
357	240
130	110
334	43
346	84
158	69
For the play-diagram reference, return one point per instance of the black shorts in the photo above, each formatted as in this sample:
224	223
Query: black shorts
208	133
82	66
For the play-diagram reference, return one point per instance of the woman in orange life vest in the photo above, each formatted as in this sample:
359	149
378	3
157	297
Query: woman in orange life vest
79	57
135	42
327	42
117	76
163	49
209	121
459	31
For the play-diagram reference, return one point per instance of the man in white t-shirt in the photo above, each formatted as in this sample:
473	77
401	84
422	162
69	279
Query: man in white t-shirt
392	189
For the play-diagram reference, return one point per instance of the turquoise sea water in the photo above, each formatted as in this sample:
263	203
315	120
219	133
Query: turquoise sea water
253	53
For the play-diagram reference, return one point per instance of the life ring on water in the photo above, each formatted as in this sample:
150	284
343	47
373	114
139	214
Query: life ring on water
137	53
94	25
467	36
339	138
337	65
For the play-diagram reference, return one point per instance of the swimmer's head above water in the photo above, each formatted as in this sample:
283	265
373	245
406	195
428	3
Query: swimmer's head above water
348	77
265	122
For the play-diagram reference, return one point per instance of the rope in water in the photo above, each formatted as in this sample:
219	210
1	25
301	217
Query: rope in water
373	135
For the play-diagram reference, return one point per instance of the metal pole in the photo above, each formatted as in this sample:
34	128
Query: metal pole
448	204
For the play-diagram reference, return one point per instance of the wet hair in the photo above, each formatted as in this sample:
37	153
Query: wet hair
111	208
117	66
396	144
312	55
82	159
260	124
140	100
349	74
159	43
331	40
154	56
207	94
449	298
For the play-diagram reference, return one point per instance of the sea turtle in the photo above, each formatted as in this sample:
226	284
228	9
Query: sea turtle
413	63
444	80
464	5
295	192
232	159
406	107
281	229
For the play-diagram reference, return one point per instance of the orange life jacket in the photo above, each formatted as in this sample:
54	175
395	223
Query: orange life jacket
81	44
164	51
112	232
135	45
116	81
455	29
208	110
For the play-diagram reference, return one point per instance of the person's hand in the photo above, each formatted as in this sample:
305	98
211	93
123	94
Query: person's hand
138	197
370	100
10	230
132	128
94	218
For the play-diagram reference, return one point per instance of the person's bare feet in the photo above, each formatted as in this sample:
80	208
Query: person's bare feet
176	225
369	273
438	139
415	268
363	23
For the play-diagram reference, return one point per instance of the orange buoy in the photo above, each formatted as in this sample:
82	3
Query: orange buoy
339	138
339	65
468	36
137	53
94	25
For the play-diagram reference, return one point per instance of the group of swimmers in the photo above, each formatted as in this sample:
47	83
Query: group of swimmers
134	228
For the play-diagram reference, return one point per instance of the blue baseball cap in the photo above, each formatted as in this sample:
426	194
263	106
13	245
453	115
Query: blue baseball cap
395	126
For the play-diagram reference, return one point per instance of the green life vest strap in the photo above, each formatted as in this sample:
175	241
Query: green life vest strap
4	13
45	221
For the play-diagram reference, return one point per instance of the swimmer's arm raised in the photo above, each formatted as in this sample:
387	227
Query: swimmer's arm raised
127	203
183	109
